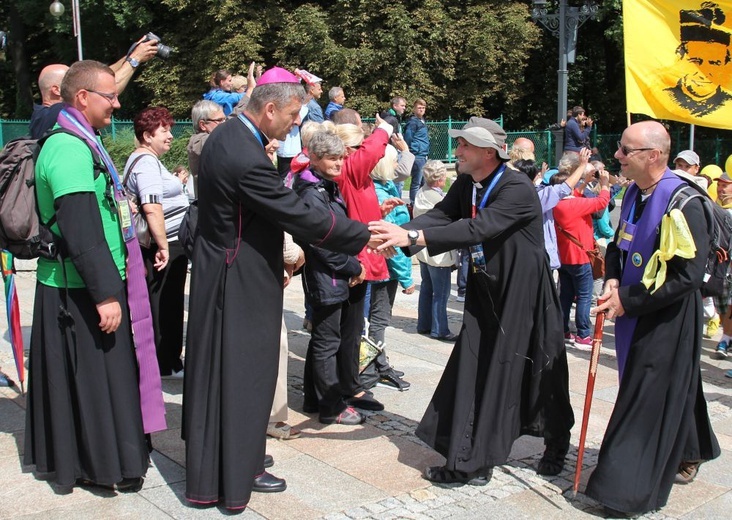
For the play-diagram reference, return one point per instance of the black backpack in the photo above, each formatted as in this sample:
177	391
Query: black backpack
188	231
21	230
717	277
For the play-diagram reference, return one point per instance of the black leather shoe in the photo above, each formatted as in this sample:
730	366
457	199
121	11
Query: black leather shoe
268	483
365	402
268	461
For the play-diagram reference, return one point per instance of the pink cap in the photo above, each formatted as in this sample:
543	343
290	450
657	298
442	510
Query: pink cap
277	75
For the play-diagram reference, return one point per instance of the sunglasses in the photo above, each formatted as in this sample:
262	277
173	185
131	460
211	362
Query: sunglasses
625	150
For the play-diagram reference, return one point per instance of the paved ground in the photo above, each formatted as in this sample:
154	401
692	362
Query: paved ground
370	471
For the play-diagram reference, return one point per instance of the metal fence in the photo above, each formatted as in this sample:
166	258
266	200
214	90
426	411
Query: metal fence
711	151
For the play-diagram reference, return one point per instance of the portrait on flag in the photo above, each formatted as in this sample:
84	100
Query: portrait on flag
679	60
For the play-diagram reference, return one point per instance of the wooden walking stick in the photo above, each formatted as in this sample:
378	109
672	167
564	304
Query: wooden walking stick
594	358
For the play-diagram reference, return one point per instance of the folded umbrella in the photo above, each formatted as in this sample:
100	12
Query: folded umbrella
15	333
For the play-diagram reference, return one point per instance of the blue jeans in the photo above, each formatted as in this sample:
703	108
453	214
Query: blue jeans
576	280
433	293
419	163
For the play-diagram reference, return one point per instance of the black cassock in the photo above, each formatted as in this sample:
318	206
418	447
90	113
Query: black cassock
660	416
507	375
235	312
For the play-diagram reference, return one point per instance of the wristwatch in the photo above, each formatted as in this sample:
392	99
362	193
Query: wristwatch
413	235
133	62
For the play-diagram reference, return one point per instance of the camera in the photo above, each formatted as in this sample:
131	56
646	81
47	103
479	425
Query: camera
163	51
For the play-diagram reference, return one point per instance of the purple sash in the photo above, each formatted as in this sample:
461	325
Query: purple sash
138	299
641	248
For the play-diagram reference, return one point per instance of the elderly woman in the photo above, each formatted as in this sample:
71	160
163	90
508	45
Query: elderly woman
399	266
328	276
220	92
161	198
435	270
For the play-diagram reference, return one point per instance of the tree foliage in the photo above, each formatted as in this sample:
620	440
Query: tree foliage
465	57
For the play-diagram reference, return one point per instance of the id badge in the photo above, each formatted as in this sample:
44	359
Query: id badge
476	254
125	219
625	235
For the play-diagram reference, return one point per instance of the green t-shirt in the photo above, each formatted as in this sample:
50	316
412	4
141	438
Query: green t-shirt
65	166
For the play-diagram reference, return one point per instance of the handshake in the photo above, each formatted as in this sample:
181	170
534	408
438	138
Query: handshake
386	237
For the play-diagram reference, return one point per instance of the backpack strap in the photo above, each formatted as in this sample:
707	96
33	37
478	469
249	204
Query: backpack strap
99	166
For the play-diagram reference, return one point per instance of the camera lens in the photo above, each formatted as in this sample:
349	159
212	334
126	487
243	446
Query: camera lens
164	51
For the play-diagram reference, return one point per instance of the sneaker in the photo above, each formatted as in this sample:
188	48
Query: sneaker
349	417
721	352
365	402
712	327
569	338
389	379
583	343
460	299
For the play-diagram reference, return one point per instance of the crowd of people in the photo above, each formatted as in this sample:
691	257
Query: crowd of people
283	185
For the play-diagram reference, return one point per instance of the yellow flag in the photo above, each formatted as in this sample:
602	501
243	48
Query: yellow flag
678	60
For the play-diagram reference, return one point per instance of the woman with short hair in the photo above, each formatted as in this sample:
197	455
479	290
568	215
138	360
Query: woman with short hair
160	196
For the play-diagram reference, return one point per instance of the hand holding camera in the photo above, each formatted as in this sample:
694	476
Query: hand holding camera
148	46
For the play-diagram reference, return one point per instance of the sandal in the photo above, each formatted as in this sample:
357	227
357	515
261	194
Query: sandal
552	462
442	475
282	431
687	472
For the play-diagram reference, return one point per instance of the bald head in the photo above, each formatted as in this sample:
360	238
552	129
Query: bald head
522	149
49	83
644	152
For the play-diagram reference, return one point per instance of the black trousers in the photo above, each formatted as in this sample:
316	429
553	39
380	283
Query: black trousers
327	361
167	299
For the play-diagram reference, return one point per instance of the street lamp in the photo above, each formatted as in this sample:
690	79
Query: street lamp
57	9
563	25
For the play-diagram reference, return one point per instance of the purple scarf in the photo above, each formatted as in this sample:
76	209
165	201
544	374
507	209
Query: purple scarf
640	250
138	300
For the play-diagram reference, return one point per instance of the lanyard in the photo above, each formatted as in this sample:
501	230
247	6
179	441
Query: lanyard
100	149
251	127
487	192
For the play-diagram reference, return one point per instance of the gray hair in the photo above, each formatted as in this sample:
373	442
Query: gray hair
203	110
568	163
333	92
326	143
278	93
433	172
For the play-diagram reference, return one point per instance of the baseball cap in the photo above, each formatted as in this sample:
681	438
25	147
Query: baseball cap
689	156
484	133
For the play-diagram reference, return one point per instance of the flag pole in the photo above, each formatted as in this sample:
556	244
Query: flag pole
691	136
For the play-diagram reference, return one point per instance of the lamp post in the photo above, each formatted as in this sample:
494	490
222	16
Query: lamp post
57	9
563	25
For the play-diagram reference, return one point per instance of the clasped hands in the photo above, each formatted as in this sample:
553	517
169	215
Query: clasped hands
386	237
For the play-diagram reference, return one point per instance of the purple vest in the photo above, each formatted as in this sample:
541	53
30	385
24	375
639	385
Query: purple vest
640	250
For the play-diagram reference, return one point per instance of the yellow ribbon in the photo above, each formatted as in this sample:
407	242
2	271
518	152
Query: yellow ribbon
676	240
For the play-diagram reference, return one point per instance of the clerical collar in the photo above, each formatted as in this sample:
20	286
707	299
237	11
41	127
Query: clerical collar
479	185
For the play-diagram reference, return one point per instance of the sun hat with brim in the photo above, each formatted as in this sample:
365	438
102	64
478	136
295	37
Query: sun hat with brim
480	137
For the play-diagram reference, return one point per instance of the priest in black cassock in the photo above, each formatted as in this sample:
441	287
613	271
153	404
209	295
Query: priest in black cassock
507	375
235	313
659	431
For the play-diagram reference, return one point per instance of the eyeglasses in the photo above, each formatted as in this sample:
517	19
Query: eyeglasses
105	95
627	151
218	120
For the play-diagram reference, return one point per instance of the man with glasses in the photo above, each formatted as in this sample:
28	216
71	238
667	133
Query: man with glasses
659	431
206	116
89	429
